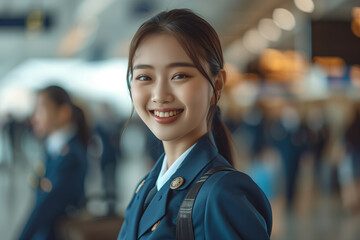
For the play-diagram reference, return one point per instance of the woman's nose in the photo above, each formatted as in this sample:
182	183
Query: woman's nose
162	93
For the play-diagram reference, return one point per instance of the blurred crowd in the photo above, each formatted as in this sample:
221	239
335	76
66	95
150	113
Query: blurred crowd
276	138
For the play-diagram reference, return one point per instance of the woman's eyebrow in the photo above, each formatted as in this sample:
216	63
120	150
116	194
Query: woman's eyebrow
180	64
171	65
142	66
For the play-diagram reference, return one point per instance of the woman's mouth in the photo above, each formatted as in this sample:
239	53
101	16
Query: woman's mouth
165	116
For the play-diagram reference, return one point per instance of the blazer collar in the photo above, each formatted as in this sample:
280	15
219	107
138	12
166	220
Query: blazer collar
140	196
58	140
203	152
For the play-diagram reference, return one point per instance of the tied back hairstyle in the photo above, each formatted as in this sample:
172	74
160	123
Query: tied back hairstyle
60	97
201	43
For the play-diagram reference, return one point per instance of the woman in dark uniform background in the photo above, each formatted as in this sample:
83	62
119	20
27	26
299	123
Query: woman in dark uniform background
61	182
175	76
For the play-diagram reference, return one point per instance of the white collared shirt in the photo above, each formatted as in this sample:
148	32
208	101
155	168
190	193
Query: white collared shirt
56	141
165	173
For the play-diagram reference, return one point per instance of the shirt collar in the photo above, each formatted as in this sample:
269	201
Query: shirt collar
57	140
166	173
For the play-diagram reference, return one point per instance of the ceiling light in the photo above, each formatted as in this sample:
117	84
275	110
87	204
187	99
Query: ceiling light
254	42
284	19
269	30
305	5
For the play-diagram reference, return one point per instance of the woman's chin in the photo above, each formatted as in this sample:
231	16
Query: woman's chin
166	136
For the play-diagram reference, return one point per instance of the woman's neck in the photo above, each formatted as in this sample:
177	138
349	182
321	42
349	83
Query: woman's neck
174	148
66	127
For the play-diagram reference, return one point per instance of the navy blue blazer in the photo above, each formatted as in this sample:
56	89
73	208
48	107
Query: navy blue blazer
229	205
61	188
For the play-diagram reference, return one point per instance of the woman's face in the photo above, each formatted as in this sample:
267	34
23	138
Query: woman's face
45	119
169	93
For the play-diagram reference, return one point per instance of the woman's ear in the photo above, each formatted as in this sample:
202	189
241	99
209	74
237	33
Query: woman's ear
219	84
220	81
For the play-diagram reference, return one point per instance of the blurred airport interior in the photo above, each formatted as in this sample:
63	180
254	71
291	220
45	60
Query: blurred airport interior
291	103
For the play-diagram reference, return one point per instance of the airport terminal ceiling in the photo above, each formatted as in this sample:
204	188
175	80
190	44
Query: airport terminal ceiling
103	29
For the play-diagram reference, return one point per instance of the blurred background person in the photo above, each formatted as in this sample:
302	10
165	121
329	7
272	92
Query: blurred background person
349	169
288	135
60	189
13	131
106	138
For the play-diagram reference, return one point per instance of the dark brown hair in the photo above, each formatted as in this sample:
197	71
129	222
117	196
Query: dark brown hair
201	43
60	97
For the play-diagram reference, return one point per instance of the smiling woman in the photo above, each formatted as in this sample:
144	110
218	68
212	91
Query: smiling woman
170	84
175	76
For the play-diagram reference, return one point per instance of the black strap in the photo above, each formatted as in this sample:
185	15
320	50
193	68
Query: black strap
184	227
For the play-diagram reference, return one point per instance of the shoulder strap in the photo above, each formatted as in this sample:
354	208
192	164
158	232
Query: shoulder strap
184	227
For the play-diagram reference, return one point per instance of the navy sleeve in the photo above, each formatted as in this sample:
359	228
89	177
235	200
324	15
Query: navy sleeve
51	205
236	208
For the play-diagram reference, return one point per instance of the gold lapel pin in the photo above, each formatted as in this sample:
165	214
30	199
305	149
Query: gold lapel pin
176	183
140	186
40	169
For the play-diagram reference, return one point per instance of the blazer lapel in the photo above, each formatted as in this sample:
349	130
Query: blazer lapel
203	152
201	155
138	205
139	198
154	212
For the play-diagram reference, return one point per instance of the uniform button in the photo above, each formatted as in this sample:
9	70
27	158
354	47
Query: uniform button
155	225
140	186
46	185
176	183
40	169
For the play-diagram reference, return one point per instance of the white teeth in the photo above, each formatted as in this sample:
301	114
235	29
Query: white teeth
166	114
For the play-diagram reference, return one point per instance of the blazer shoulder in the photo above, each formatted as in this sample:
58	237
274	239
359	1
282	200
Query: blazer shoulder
234	183
236	198
232	179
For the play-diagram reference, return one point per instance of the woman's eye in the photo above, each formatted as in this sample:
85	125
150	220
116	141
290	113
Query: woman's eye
180	76
143	78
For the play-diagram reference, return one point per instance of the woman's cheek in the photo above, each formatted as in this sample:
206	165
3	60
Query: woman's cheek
138	97
198	95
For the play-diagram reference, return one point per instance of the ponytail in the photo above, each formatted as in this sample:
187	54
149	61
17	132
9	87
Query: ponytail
79	120
222	136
